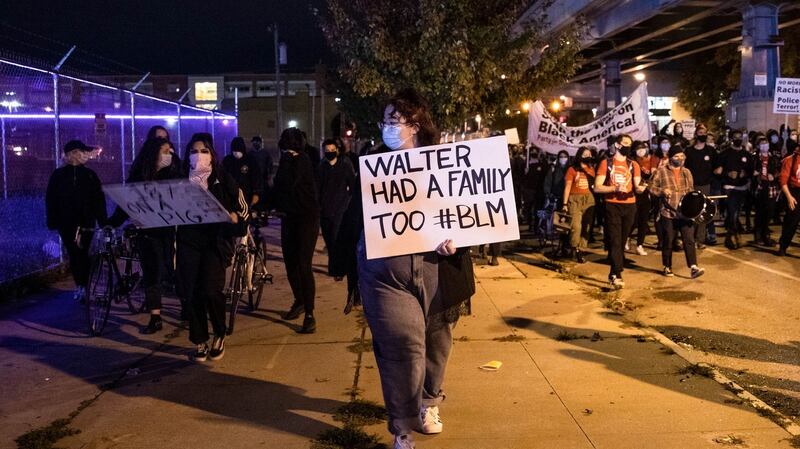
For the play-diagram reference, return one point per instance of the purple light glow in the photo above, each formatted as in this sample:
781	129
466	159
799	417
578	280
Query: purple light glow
124	117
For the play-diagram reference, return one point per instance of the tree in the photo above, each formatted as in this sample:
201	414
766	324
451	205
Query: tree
465	56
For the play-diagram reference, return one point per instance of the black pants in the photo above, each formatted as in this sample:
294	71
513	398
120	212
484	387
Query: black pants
642	217
765	209
671	227
619	220
201	273
791	220
733	205
330	229
78	255
154	249
298	239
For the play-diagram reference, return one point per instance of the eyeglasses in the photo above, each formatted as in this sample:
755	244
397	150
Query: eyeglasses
382	124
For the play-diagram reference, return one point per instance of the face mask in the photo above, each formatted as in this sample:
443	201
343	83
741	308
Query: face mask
391	136
737	142
256	146
702	139
675	162
330	155
587	160
764	147
773	139
625	151
238	154
665	146
200	161
641	152
563	160
164	160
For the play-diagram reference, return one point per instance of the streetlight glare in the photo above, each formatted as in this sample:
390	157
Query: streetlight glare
555	106
639	76
525	106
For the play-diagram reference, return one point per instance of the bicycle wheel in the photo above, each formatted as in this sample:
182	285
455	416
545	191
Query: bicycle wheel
260	277
131	278
99	295
236	291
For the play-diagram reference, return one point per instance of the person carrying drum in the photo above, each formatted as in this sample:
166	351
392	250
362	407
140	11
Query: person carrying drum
671	183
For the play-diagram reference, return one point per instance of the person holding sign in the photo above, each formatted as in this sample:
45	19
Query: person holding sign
790	186
155	162
579	201
406	298
619	178
205	250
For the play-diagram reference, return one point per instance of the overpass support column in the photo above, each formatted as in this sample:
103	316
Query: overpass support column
611	85
751	105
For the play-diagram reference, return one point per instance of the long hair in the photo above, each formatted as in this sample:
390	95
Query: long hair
410	105
292	139
579	155
146	162
151	134
206	139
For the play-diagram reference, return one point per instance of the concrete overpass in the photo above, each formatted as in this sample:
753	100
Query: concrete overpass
630	36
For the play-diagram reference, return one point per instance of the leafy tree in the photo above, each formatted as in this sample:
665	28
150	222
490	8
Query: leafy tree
465	56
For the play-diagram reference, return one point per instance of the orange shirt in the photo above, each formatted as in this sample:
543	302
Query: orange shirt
579	182
790	173
620	175
676	173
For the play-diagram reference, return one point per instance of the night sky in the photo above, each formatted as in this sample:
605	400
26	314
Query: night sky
165	36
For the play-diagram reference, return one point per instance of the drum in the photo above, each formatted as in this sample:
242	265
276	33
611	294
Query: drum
697	207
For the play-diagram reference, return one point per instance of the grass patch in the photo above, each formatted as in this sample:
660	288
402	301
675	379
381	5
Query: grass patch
45	437
510	338
349	437
361	346
567	336
360	413
697	370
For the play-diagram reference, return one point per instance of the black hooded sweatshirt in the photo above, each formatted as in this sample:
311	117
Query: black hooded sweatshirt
75	198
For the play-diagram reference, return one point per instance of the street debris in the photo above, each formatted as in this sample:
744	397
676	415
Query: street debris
494	365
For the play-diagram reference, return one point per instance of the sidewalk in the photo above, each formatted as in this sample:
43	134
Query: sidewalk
557	388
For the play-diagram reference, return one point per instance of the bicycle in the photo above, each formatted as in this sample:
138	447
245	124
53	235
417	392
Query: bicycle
248	271
107	284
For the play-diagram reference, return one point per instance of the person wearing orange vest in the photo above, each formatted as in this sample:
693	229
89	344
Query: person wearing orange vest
790	186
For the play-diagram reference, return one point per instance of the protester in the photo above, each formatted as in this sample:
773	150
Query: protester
619	178
205	250
245	171
406	299
263	160
168	276
295	198
336	180
677	133
642	199
74	205
533	187
156	161
790	186
671	184
700	159
579	200
312	151
766	173
158	131
554	180
735	165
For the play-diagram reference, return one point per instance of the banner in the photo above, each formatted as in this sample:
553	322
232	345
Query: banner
416	199
167	203
631	117
787	96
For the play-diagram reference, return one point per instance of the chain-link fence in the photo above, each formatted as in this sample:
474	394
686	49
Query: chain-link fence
40	110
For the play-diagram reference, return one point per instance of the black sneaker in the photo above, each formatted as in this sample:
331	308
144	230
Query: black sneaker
201	354
155	325
697	271
217	348
295	312
579	256
781	252
309	325
668	272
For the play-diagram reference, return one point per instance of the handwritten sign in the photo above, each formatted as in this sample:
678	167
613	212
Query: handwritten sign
167	203
416	199
787	96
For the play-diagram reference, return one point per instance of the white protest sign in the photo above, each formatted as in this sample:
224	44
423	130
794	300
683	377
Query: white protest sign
167	203
787	96
631	117
688	128
512	135
416	199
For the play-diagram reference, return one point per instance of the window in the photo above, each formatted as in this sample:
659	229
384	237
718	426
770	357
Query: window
245	89
205	91
265	88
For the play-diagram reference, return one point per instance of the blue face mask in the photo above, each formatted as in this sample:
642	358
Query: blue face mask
391	136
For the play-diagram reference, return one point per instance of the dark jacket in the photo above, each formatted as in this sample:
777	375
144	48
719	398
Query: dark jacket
295	192
336	185
739	161
75	198
554	180
701	164
247	174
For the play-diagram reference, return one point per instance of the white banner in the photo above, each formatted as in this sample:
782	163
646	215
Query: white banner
631	117
416	199
167	203
787	96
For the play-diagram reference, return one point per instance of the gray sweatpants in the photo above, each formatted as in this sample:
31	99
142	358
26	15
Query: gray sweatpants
410	337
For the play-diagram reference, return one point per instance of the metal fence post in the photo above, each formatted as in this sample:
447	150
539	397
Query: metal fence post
213	127
180	122
5	163
122	147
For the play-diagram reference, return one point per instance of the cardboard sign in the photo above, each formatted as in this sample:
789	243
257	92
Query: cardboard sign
630	117
416	199
688	128
787	96
512	135
167	203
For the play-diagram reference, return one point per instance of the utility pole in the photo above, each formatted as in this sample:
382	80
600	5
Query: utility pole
278	86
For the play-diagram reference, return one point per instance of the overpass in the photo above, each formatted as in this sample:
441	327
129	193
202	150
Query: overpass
630	36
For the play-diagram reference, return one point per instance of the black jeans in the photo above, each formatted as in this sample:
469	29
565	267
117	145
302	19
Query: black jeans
733	206
78	255
330	229
642	217
671	227
619	220
201	273
790	220
298	239
154	250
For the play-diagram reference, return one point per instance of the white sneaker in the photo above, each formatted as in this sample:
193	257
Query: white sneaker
627	246
640	250
431	423
403	442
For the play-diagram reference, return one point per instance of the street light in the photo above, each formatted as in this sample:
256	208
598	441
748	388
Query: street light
478	121
555	106
639	76
525	106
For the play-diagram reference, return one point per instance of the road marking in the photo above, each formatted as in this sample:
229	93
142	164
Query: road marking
271	363
760	267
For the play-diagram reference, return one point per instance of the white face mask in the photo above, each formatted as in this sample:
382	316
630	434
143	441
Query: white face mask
164	160
200	161
641	152
563	160
665	146
391	136
238	154
763	147
773	139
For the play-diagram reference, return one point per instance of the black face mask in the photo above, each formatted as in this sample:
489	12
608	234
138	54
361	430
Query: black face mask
702	139
587	160
625	151
330	155
737	142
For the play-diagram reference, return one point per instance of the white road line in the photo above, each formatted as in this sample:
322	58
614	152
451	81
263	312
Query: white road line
754	265
272	360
